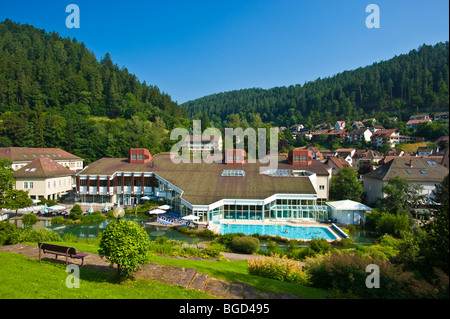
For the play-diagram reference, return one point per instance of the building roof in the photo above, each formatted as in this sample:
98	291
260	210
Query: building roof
17	154
436	159
423	169
411	122
386	132
42	167
348	204
367	154
339	162
203	183
359	131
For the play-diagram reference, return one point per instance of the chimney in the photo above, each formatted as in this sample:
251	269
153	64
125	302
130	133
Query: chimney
411	163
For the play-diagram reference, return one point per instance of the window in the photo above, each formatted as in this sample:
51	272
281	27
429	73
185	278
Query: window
238	158
304	158
296	158
321	187
48	185
141	156
25	184
232	173
230	158
31	185
133	156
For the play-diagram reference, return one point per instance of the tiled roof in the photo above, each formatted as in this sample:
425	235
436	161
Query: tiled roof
31	153
42	167
202	183
339	162
410	122
422	170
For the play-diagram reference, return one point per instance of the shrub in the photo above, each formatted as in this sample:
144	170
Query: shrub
394	225
282	269
76	212
213	250
226	239
372	220
31	235
273	249
245	244
96	216
126	244
346	273
29	219
320	246
206	233
6	230
58	220
344	242
301	253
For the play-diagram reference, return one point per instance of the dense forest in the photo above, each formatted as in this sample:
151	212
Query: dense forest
55	93
405	84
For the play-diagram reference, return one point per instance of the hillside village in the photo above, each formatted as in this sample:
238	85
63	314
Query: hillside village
381	144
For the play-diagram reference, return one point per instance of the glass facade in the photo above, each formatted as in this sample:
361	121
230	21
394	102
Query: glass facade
279	208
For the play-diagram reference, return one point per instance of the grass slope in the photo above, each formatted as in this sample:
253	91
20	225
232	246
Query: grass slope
24	278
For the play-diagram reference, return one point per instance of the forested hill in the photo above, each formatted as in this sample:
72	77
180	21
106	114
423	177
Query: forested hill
400	86
55	93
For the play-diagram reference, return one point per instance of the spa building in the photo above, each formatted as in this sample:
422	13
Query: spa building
231	188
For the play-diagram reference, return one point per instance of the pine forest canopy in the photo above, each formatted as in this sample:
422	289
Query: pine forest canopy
54	93
401	86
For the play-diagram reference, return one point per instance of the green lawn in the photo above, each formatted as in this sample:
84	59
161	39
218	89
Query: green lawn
24	278
230	271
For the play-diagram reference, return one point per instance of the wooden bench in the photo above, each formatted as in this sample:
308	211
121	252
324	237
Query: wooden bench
59	250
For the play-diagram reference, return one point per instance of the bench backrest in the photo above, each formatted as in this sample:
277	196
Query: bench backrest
58	248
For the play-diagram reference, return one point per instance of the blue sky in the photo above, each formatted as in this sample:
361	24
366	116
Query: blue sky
190	49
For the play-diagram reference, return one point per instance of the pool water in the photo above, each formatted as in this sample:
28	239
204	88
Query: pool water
291	232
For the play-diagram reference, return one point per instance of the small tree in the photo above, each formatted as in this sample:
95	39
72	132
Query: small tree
401	196
6	177
345	185
29	219
125	244
76	212
16	199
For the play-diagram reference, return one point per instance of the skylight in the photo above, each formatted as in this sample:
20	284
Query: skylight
424	172
408	171
278	172
229	172
32	170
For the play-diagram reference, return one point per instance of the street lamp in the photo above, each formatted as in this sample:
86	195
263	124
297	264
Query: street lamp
118	212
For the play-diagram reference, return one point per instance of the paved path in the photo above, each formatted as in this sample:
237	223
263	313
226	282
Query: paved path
188	278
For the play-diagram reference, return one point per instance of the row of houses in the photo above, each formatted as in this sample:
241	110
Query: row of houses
376	135
367	130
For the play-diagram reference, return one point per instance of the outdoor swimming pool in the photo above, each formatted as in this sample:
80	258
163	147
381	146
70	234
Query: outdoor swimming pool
292	232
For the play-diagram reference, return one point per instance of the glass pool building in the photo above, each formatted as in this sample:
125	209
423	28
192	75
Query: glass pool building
227	190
